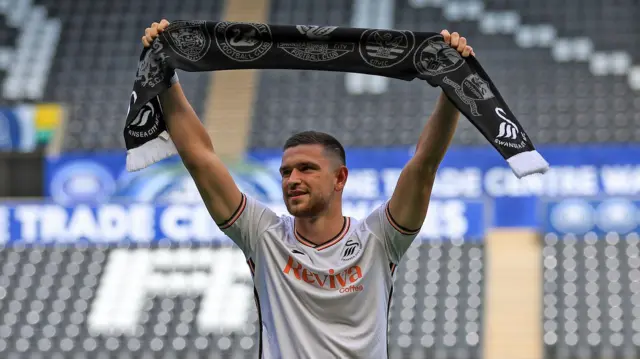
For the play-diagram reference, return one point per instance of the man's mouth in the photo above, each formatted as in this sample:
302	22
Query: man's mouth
296	194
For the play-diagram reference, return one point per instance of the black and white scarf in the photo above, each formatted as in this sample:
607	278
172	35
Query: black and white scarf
401	54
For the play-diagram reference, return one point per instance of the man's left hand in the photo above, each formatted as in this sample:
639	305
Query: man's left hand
458	42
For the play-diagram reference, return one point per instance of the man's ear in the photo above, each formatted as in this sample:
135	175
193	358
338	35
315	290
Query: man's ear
342	172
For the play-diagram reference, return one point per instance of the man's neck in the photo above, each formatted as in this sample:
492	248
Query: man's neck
319	230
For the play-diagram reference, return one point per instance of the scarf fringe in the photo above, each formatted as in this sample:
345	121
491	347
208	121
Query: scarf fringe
151	152
527	163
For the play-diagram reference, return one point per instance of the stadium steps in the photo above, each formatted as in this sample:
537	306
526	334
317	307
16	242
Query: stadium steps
229	106
513	296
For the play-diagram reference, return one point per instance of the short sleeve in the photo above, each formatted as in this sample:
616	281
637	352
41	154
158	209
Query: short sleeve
396	238
250	220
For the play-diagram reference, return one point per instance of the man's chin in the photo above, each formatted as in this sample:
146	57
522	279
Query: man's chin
299	210
295	209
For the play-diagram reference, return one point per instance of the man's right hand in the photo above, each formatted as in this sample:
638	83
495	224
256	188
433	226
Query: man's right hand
151	33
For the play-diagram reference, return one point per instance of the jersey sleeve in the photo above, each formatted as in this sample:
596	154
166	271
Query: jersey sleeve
396	239
247	224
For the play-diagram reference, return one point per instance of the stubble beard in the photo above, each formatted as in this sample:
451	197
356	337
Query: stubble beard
311	207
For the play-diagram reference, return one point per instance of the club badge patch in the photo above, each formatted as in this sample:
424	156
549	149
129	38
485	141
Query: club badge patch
243	41
385	48
434	57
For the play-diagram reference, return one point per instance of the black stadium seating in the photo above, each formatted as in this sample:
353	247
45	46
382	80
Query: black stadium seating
71	302
558	101
591	296
96	59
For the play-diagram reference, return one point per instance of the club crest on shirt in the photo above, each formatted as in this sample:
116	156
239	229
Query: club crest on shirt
351	249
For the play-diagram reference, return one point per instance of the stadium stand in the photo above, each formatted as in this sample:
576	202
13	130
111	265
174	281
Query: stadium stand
50	300
558	101
96	59
591	296
94	77
436	309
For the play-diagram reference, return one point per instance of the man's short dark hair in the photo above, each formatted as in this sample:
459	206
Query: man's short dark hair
330	143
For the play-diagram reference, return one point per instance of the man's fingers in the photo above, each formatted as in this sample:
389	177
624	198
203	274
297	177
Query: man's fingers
153	31
457	42
455	38
151	34
462	43
446	35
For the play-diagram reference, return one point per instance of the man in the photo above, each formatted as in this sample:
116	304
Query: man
323	281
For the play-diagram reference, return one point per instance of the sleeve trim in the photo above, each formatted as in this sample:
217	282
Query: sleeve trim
234	217
399	228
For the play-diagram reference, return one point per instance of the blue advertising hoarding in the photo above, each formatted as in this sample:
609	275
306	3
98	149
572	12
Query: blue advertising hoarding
139	222
478	174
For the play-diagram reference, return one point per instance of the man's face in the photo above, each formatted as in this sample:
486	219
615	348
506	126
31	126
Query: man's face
310	179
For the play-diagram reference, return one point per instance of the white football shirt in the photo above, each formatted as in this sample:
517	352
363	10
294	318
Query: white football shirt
320	301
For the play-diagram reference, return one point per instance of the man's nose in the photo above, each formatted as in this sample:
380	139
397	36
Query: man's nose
294	178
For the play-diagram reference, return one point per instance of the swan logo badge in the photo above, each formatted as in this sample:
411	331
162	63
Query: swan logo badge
385	48
243	41
147	123
434	57
317	49
189	39
508	132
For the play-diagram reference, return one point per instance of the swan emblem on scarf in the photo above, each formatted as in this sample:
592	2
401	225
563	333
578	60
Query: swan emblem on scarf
243	39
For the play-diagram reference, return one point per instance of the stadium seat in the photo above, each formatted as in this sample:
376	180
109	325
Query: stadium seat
95	63
437	308
50	297
513	42
567	94
591	296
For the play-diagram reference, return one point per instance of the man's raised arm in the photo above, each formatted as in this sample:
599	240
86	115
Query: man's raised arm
214	182
399	221
410	200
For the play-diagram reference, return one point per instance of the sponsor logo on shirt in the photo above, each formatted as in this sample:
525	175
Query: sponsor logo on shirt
344	281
